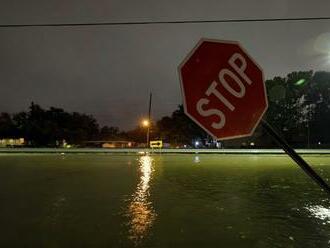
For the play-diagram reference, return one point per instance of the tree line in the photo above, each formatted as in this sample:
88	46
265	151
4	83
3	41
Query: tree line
299	108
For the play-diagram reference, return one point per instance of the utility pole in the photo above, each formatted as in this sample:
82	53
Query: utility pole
149	120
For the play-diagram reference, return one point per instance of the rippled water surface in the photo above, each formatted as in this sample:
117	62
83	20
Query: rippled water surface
161	201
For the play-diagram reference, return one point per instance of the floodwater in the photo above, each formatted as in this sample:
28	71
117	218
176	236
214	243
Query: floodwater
103	200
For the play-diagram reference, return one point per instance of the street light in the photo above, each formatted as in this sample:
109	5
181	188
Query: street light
146	124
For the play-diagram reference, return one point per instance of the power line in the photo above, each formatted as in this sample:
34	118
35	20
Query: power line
297	19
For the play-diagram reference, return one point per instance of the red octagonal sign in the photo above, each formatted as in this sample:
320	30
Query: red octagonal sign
223	89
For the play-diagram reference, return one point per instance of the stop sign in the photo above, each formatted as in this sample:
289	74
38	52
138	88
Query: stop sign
223	89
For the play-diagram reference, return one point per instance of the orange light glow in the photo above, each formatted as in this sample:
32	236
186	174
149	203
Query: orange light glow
145	123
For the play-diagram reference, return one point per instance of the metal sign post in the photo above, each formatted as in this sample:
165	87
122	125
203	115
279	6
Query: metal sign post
295	156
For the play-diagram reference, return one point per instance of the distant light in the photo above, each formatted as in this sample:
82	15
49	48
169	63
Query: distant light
300	82
145	123
319	143
252	144
185	146
196	143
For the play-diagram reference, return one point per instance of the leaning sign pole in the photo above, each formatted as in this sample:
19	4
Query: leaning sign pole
295	156
224	92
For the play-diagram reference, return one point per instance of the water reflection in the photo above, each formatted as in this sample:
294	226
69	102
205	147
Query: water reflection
196	159
140	210
320	212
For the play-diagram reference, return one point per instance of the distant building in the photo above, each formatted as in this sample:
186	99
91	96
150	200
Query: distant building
12	142
111	144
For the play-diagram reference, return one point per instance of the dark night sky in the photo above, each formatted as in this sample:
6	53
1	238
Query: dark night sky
109	71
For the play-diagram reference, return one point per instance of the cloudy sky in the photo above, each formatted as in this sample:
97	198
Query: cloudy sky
108	71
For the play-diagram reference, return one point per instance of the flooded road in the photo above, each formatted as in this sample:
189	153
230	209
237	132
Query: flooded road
103	200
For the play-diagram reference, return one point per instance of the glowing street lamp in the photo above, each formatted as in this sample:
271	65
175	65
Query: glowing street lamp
145	123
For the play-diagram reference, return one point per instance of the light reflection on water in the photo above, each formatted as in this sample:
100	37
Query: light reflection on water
320	212
224	200
197	160
140	210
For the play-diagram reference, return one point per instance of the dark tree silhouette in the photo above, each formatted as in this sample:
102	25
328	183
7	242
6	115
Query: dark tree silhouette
179	128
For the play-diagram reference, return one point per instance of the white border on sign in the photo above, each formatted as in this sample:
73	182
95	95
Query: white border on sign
187	57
